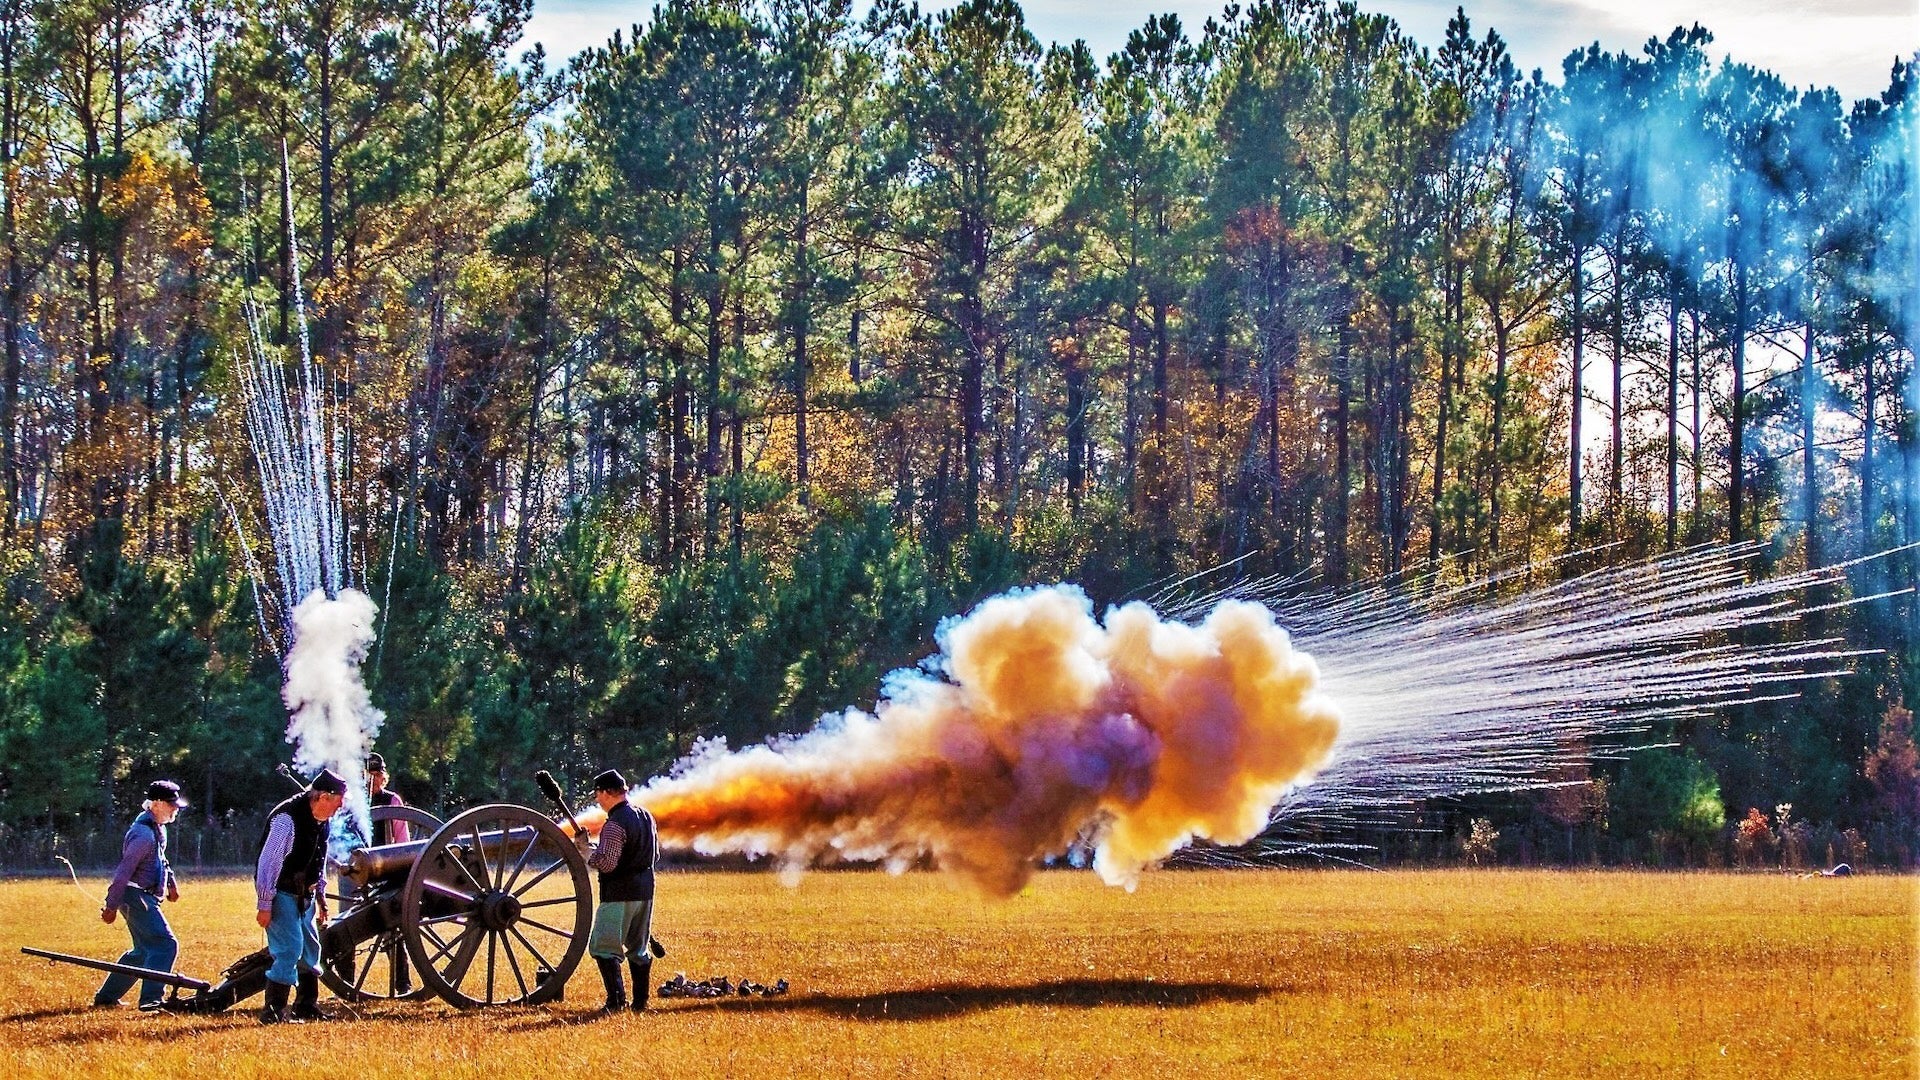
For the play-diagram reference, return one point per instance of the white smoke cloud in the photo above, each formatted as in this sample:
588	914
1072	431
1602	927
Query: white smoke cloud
333	720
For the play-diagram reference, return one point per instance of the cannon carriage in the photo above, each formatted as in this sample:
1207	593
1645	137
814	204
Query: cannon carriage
492	908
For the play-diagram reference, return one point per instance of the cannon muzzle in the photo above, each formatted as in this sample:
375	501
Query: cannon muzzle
392	862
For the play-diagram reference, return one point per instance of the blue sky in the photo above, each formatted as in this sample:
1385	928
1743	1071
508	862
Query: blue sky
1846	44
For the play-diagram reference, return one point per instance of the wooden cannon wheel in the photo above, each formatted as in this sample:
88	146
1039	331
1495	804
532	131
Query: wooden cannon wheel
497	909
379	970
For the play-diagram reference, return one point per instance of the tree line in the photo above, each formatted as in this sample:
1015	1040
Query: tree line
683	388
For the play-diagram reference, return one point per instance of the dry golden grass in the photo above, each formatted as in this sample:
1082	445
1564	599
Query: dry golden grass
1215	974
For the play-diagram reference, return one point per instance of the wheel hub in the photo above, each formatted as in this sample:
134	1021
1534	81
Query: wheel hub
498	910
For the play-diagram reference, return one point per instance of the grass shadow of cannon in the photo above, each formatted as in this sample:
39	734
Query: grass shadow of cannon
942	1002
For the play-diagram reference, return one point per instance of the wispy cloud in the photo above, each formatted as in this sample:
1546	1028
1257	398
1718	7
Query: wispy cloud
1847	44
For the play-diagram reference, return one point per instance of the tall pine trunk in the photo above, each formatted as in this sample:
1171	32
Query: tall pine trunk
1673	410
1501	334
1810	478
716	305
1342	425
1869	506
1617	465
11	17
802	327
1736	433
1578	299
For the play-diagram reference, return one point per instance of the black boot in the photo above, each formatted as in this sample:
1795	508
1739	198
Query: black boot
275	1010
306	1002
642	972
610	974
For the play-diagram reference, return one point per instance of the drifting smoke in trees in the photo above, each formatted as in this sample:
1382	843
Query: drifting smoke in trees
1136	737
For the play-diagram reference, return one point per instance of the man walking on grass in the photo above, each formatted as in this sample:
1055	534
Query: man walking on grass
142	877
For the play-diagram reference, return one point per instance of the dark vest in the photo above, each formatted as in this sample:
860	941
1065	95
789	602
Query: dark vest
383	830
632	877
301	872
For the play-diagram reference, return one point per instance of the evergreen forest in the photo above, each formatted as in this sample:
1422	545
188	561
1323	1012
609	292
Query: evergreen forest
684	386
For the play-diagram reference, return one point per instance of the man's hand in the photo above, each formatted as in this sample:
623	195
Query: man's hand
173	894
320	915
107	915
263	917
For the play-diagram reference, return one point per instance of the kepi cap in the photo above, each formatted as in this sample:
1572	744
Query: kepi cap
376	763
165	791
610	780
328	782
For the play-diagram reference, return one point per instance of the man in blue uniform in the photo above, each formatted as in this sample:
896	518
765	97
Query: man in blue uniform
289	883
624	857
142	877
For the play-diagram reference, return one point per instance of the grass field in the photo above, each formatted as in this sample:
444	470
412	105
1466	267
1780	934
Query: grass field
1220	974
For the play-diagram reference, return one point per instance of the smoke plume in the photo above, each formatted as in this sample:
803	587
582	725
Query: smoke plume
333	720
1039	728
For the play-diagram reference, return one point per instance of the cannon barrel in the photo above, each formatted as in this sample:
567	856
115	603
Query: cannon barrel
392	862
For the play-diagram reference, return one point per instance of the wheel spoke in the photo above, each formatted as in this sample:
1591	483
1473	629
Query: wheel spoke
478	887
365	969
550	902
514	964
437	939
555	931
540	877
493	945
537	954
525	854
457	942
463	960
486	869
448	892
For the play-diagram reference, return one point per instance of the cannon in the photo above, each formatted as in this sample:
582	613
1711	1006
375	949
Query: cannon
493	908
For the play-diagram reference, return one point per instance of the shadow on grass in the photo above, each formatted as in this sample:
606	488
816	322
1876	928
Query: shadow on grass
941	1002
932	1003
54	1014
172	1027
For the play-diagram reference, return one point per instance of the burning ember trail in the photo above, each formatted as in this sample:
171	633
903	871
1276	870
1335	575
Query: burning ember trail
1038	730
299	442
1136	737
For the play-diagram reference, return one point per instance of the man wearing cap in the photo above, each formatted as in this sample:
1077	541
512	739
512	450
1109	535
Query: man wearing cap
142	877
379	794
289	883
624	857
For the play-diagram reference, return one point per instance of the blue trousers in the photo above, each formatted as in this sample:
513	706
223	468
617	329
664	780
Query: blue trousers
293	937
154	947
